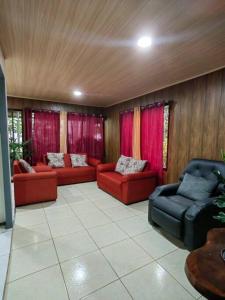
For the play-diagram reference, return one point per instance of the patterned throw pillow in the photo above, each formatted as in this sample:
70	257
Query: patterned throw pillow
135	166
56	160
122	164
27	167
78	160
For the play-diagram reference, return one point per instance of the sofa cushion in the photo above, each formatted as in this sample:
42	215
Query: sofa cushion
55	160
135	166
196	188
25	166
74	172
78	160
175	205
122	164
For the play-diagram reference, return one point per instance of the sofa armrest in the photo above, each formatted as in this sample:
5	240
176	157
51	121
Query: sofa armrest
106	167
93	161
40	163
33	176
42	168
198	220
138	176
167	189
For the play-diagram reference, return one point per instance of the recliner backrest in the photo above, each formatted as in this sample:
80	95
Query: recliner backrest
204	168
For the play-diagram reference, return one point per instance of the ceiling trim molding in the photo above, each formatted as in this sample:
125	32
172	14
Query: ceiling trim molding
166	86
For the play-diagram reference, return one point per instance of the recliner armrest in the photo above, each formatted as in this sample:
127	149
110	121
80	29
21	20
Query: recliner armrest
138	176
163	190
106	167
198	220
197	207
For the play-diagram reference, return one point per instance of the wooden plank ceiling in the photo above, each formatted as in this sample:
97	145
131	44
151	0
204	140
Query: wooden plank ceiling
52	47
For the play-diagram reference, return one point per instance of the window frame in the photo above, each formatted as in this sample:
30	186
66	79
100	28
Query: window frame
12	111
166	157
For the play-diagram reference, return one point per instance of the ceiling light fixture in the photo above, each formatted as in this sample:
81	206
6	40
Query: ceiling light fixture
144	42
77	93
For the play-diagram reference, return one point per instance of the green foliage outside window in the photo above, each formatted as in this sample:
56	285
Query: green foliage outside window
220	201
165	135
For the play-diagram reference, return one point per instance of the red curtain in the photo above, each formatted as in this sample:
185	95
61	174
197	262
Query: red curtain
46	130
152	123
126	133
27	130
85	134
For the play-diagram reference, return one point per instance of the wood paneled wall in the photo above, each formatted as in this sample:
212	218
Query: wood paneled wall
197	121
21	103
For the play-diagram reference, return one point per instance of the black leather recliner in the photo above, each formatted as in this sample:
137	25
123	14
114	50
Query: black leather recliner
186	219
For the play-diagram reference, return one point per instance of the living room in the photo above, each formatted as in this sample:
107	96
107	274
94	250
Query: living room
112	152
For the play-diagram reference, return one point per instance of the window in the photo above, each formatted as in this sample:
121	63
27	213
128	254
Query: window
165	135
15	130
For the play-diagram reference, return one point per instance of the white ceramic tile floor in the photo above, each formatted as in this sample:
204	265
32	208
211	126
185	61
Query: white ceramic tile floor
74	245
23	236
88	245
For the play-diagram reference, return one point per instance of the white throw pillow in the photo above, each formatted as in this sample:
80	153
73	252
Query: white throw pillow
78	160
26	166
122	164
135	166
56	160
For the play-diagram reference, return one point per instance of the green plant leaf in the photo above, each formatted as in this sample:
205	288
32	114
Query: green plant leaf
220	217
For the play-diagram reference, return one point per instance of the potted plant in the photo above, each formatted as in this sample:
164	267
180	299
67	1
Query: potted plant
19	150
220	201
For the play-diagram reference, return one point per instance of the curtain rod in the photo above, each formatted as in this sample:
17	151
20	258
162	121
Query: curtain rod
86	114
68	112
154	104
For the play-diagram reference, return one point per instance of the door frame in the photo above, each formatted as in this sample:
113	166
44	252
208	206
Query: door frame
5	153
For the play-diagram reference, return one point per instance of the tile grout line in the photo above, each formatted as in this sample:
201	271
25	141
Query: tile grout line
129	237
57	258
99	249
45	268
176	279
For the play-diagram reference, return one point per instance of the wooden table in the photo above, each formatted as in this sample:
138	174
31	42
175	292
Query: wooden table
205	268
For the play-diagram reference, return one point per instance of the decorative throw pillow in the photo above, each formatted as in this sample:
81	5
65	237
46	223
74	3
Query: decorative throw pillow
122	164
196	188
78	160
56	160
26	166
135	166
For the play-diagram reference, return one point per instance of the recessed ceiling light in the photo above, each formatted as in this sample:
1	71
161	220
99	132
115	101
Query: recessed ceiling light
77	93
144	42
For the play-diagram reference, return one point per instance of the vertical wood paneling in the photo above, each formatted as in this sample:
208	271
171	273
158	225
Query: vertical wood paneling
186	94
221	127
197	121
211	115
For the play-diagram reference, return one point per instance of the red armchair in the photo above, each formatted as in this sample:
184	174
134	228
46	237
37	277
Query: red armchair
129	188
36	187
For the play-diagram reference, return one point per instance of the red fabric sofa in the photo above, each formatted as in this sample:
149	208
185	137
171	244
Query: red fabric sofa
129	188
69	175
36	187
